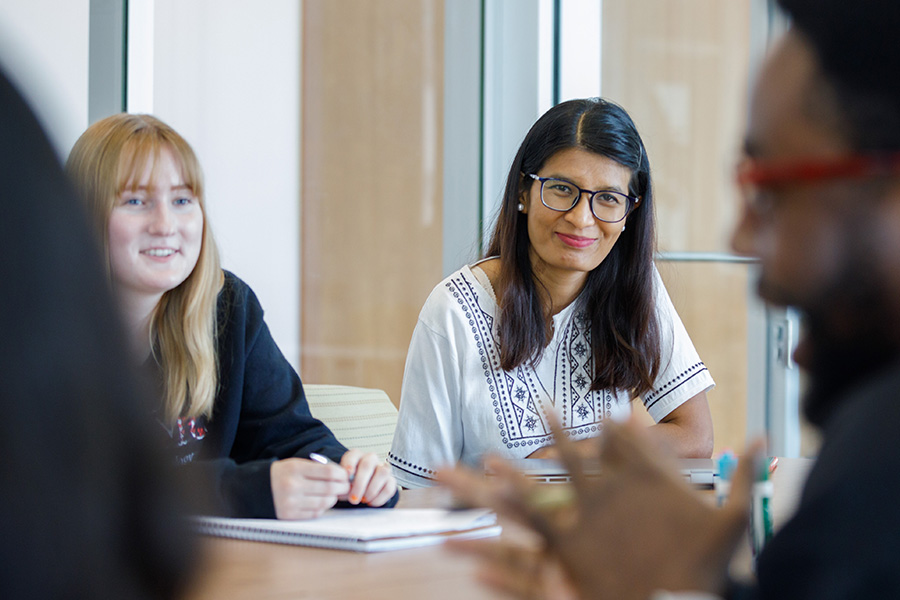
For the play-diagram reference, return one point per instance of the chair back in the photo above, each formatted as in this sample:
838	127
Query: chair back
362	418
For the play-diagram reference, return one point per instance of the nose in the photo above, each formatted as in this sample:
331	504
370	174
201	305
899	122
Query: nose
162	221
580	215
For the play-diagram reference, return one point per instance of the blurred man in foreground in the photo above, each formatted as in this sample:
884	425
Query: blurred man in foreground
821	189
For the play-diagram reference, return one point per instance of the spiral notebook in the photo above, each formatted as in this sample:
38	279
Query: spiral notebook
361	529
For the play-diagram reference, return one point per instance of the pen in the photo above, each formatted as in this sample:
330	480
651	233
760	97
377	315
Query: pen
727	463
761	526
324	460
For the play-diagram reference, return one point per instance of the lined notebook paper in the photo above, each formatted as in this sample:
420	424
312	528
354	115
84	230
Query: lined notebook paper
361	529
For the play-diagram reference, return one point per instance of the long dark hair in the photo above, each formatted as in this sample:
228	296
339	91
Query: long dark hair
618	294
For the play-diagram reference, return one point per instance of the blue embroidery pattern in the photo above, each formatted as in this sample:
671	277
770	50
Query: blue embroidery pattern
673	384
519	398
410	467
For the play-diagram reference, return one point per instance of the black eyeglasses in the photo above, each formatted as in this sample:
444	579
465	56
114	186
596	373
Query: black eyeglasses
606	205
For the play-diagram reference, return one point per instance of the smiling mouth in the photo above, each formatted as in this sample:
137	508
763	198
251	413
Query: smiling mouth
575	241
160	252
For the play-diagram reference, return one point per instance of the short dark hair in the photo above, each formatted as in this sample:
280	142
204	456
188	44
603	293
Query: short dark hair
859	57
618	295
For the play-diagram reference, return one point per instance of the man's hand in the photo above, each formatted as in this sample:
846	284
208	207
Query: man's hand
635	529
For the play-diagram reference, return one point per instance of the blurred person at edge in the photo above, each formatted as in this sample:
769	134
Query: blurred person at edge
90	505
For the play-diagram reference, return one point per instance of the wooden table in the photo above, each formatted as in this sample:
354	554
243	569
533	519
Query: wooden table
260	571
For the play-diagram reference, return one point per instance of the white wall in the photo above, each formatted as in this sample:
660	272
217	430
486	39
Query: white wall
226	75
515	38
44	49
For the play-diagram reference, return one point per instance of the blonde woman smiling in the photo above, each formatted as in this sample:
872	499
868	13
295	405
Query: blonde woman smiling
232	404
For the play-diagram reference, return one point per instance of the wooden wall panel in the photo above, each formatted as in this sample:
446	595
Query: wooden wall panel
371	184
711	299
680	68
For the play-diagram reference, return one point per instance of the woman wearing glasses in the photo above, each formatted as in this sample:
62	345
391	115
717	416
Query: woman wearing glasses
233	406
566	314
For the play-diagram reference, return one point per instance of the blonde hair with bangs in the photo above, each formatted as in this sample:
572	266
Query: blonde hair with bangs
108	159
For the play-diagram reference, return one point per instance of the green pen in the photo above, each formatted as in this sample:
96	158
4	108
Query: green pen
761	525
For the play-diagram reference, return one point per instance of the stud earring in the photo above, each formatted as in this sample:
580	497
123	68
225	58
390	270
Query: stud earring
623	228
521	207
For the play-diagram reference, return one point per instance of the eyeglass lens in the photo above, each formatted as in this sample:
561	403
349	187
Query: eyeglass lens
606	205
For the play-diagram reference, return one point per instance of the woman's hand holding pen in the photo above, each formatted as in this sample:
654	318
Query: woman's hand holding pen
304	489
371	481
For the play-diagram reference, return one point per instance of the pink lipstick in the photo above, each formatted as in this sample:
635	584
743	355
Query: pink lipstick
575	241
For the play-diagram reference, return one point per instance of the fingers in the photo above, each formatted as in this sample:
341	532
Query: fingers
373	483
508	492
742	482
503	566
382	487
350	462
628	448
734	515
303	489
498	552
621	443
471	488
362	476
350	459
566	451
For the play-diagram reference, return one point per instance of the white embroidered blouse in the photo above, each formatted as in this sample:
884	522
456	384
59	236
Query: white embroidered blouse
456	403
